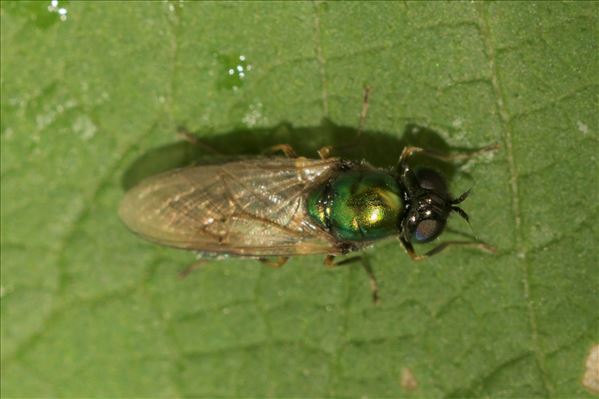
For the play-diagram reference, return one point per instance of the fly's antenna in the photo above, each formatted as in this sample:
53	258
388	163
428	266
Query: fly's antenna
460	211
460	199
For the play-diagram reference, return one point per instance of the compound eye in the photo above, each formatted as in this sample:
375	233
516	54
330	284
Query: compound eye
431	180
427	230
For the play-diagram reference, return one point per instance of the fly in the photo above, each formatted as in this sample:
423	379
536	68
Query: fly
281	207
278	207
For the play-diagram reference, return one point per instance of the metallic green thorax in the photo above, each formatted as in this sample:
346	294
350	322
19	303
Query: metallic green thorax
358	205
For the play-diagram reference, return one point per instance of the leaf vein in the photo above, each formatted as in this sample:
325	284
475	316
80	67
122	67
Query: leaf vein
321	60
504	117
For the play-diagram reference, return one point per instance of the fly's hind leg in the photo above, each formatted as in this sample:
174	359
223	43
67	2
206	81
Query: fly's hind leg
186	135
329	261
445	244
191	138
194	266
275	263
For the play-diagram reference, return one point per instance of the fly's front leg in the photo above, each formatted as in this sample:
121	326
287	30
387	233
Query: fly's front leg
410	250
445	244
329	261
464	156
473	244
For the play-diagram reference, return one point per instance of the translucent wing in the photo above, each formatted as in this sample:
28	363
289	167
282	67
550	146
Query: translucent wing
252	207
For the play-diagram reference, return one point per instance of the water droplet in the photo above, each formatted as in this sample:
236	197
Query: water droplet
55	7
235	70
41	14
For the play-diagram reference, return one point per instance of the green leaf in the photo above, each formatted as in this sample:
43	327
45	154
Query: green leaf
90	310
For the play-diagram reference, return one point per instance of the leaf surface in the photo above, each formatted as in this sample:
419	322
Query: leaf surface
90	310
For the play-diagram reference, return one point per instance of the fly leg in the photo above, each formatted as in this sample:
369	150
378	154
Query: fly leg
325	152
191	138
457	156
284	148
329	261
186	135
194	266
441	246
364	111
274	263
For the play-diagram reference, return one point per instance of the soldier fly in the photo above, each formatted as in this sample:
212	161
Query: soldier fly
271	206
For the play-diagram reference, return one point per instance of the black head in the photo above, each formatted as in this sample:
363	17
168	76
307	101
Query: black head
428	205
